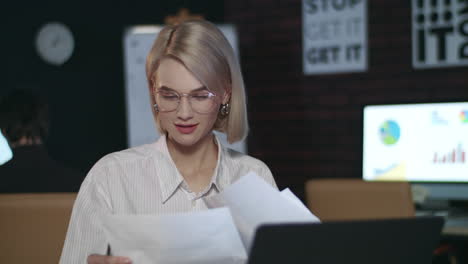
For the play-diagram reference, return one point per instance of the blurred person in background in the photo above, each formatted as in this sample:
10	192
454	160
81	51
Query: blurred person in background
24	121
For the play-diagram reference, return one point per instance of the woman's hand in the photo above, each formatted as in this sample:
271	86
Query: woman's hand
101	259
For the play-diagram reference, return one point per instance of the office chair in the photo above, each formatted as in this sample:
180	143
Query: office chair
354	199
33	226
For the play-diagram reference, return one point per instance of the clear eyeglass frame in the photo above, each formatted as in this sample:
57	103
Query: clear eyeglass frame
202	102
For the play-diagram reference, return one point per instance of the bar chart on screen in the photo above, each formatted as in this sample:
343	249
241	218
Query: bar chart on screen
457	155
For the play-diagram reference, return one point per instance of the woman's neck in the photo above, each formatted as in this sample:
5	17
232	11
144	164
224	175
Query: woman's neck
196	163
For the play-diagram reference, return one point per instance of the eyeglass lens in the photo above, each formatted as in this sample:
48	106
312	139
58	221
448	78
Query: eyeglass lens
201	101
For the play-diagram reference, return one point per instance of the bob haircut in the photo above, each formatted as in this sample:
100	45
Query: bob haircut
203	49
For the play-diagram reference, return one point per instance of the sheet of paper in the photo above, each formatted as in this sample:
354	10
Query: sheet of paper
5	151
201	237
286	193
253	202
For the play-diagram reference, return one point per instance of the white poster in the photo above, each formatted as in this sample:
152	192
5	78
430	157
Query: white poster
141	128
334	36
440	33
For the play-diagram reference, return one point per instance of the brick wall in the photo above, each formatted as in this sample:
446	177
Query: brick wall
311	126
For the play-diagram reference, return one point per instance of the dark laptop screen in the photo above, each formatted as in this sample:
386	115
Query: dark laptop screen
409	240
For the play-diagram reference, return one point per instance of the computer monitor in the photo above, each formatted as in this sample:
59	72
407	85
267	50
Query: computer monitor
425	144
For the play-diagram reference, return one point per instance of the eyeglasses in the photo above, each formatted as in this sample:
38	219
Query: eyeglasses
202	102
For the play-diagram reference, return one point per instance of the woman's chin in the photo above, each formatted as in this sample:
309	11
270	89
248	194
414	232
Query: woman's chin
187	140
184	140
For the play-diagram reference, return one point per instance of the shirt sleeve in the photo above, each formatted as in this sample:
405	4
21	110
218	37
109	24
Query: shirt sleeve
85	235
266	174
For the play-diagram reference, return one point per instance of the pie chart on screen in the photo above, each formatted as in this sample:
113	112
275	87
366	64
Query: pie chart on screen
389	132
464	116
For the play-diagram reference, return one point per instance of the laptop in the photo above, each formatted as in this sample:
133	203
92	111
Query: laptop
392	241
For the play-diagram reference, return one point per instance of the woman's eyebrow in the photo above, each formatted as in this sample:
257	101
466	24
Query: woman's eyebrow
202	88
165	88
168	89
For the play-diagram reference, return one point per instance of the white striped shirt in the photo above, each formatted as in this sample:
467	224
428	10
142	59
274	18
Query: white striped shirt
143	180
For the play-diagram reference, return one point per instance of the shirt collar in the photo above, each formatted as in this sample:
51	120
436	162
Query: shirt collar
169	177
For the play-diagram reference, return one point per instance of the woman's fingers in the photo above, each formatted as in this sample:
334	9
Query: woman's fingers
101	259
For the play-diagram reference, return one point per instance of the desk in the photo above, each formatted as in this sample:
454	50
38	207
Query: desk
455	231
454	225
457	226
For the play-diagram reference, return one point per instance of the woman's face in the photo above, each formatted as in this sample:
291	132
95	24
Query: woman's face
183	125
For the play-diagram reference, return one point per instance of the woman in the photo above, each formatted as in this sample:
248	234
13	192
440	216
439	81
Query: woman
195	86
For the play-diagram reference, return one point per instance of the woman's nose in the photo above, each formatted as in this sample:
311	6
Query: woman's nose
184	110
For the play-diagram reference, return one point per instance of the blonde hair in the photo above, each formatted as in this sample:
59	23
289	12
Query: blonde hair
203	49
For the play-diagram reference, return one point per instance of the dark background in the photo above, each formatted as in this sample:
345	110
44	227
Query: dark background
301	126
86	94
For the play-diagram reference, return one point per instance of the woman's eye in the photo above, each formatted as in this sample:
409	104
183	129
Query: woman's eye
202	96
169	96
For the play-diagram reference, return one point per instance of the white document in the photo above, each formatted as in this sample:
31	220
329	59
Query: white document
286	193
221	235
5	152
201	237
253	202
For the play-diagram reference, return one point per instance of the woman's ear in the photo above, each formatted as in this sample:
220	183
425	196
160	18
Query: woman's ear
226	97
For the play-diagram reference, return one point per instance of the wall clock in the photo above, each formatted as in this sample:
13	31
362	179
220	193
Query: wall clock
55	43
